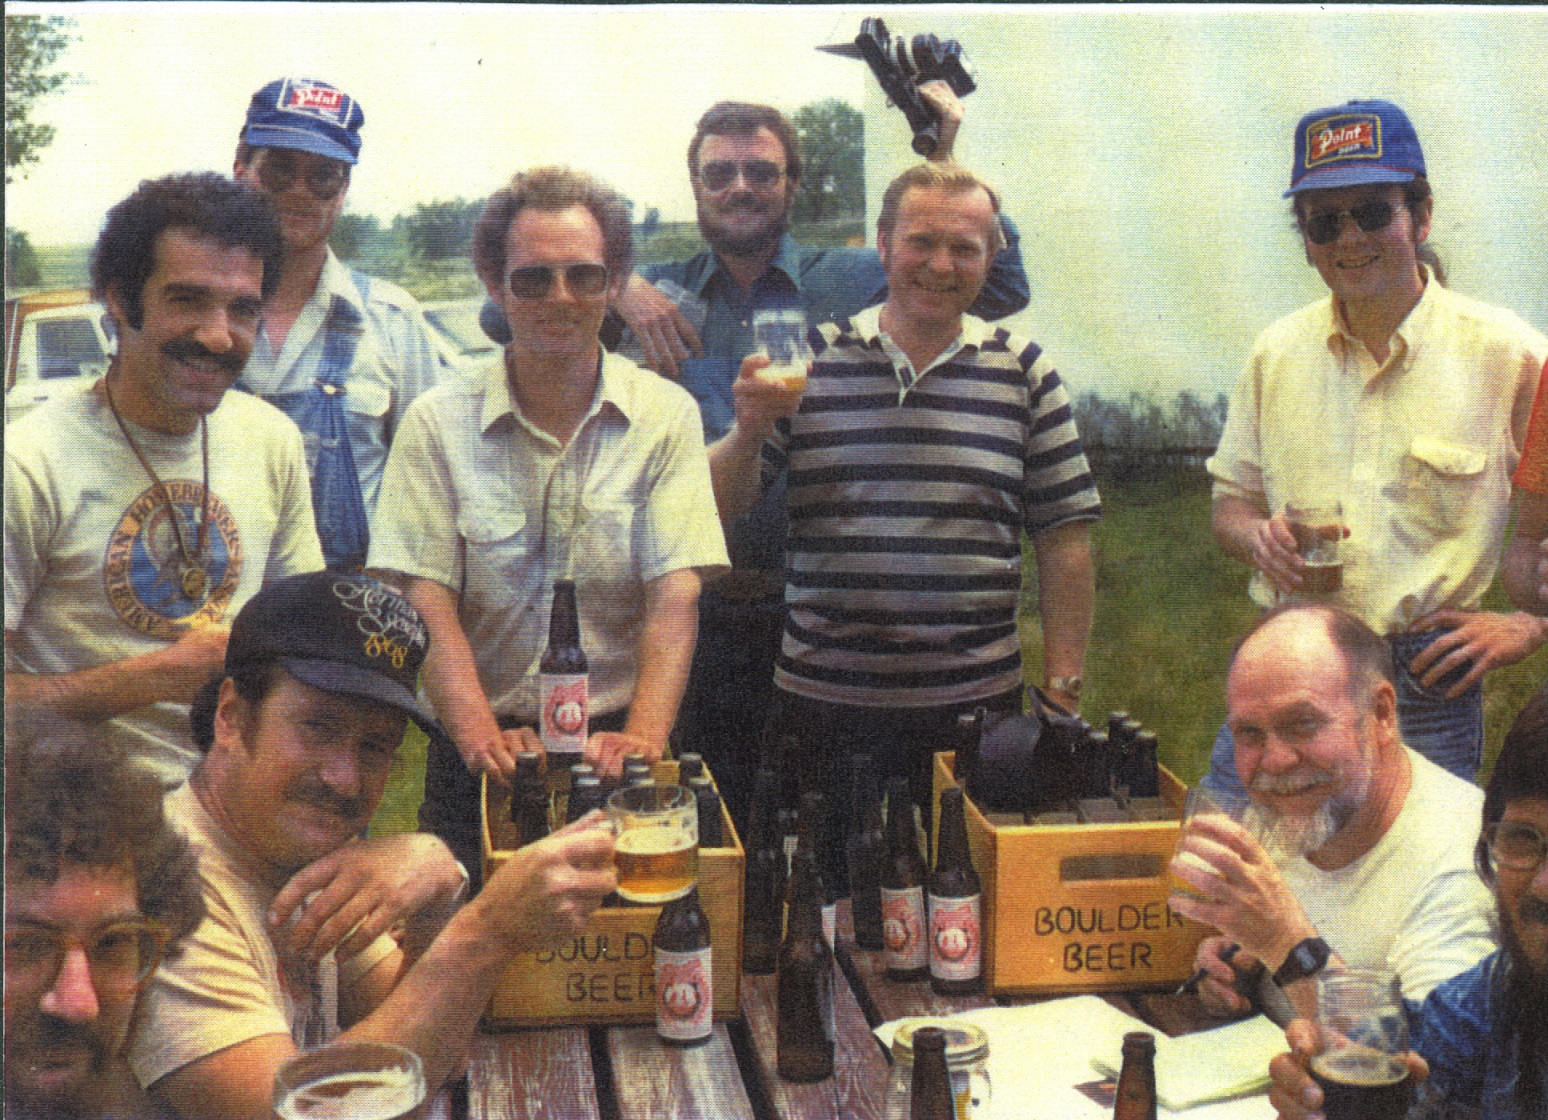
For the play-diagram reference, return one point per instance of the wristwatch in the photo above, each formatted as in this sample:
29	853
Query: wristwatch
1070	686
1306	959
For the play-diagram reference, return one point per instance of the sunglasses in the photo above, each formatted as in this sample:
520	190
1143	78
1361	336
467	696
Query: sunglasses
535	281
1516	845
1322	228
760	174
323	182
120	956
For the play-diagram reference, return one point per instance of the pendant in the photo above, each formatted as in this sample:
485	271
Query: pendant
194	581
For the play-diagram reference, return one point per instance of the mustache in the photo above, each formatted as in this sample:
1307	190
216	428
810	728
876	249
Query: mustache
186	349
1534	909
47	1033
319	795
1288	783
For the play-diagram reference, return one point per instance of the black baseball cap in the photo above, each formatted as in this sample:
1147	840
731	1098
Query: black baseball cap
339	632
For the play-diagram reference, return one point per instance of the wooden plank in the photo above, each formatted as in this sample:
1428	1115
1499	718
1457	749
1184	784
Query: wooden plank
893	999
532	1075
653	1081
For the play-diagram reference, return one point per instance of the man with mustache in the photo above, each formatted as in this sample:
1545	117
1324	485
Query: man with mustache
1355	846
300	731
97	889
1483	1035
342	353
141	512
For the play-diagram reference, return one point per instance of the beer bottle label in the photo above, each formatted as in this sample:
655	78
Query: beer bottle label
903	928
564	699
956	941
685	1001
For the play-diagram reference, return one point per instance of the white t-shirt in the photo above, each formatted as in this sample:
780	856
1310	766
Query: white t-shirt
230	983
1414	904
92	566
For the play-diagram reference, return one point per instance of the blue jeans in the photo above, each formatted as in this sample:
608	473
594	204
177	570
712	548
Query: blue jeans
1449	733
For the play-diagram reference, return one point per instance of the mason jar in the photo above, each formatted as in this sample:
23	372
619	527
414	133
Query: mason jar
967	1060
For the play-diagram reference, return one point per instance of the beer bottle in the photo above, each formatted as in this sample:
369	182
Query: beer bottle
1147	773
956	939
529	799
930	1096
866	852
563	679
689	767
585	795
805	986
808	837
1136	1098
790	771
711	834
528	770
905	932
764	894
970	728
684	982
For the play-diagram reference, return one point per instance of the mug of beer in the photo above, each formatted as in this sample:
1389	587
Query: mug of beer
1364	1036
780	335
350	1081
1318	529
1199	804
656	845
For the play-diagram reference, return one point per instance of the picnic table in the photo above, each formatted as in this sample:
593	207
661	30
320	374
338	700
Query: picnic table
624	1073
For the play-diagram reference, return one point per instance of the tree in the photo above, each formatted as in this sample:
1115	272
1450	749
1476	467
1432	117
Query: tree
21	261
441	230
832	138
353	234
32	45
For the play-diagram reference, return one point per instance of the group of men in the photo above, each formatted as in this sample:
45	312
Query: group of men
893	493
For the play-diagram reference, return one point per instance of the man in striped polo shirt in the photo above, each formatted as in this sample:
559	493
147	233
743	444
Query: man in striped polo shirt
925	442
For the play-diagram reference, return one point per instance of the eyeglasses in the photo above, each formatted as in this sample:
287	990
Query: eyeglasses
760	174
1516	845
535	281
1322	228
121	956
323	181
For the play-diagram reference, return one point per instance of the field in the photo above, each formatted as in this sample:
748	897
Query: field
1169	606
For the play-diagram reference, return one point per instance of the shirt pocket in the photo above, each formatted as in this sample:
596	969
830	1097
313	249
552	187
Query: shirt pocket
500	546
365	404
1442	481
606	555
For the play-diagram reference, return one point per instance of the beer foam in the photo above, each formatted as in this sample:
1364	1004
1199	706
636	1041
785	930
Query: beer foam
384	1094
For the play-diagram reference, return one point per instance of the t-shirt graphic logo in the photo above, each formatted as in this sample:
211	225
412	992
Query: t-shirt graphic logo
144	567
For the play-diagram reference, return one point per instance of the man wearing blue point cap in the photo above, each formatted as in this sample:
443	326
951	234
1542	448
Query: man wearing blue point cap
1403	402
342	353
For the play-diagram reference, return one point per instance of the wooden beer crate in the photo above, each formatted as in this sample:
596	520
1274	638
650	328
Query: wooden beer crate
606	975
1078	908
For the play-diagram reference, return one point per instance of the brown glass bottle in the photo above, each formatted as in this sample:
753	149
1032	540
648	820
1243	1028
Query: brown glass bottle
970	728
805	985
529	799
930	1096
711	830
905	930
585	795
1147	773
809	822
1136	1097
684	981
563	678
866	851
956	905
764	885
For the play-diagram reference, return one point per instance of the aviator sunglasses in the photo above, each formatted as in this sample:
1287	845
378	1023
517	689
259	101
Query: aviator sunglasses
535	281
323	182
760	174
1322	228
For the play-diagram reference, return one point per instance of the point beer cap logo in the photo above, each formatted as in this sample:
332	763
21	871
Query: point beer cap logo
1346	136
314	99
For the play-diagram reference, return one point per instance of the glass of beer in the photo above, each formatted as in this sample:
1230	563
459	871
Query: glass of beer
780	335
1364	1037
350	1081
1318	530
1198	804
656	846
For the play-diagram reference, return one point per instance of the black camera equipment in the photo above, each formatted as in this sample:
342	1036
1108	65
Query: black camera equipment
902	68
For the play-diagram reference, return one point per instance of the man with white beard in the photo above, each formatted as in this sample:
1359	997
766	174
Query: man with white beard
1366	849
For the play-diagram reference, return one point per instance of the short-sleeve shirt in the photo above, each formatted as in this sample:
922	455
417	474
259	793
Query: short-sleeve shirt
229	983
1532	472
92	566
483	502
909	494
1419	450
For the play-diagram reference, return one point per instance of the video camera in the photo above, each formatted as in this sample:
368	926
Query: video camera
902	68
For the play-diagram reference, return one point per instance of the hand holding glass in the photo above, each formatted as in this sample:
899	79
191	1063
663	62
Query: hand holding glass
1198	804
1318	529
1364	1037
656	849
780	335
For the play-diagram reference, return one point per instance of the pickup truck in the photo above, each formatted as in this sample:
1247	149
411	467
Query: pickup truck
53	340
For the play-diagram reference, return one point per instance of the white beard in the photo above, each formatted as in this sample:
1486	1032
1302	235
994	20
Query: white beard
1285	837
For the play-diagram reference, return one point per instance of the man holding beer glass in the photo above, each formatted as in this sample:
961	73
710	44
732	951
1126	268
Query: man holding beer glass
1404	403
560	462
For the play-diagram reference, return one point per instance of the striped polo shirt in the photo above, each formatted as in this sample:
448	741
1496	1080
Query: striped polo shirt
909	493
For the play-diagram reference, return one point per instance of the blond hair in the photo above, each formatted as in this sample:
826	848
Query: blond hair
950	177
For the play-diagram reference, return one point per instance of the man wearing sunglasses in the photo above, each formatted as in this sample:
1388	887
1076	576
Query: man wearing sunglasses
1404	402
1481	1038
342	353
97	889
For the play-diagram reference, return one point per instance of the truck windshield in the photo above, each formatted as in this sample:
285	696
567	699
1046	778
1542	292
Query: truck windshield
68	348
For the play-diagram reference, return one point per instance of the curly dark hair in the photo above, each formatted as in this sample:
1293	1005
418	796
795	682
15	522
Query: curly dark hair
203	203
552	188
71	795
743	118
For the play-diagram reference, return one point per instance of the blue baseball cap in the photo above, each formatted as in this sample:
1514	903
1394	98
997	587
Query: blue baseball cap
1358	142
307	115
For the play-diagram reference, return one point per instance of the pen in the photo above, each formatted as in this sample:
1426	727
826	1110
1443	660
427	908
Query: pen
1192	983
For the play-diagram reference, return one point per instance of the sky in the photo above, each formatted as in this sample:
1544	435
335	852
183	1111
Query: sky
1142	149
